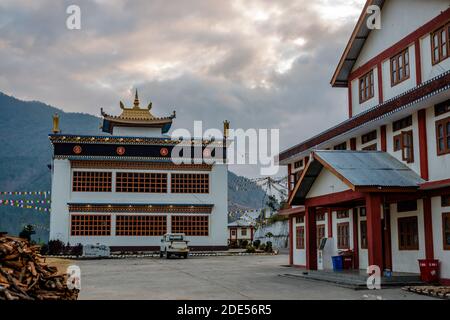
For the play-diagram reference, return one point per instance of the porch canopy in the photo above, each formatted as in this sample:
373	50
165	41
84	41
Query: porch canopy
345	179
360	171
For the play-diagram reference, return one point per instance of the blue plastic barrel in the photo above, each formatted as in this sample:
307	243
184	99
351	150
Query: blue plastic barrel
337	263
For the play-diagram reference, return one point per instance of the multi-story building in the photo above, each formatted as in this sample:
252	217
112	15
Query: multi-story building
124	190
379	182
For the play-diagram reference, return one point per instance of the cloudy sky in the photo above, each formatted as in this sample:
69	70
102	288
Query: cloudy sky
259	64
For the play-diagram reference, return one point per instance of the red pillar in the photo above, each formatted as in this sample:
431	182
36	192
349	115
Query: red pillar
251	234
353	144
423	147
291	241
387	239
375	250
380	83
428	225
330	223
383	138
355	239
311	238
418	62
289	177
350	100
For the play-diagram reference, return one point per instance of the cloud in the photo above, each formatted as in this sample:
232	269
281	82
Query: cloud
256	63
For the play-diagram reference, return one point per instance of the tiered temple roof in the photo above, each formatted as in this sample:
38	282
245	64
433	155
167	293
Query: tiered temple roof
136	117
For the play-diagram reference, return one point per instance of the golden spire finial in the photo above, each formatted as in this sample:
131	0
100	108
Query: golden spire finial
55	129
136	100
226	127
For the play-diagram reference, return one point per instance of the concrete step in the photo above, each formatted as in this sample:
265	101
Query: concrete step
355	281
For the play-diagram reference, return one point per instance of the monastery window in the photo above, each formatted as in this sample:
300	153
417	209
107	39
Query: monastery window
407	146
320	234
133	225
397	142
400	67
91	181
369	137
300	237
402	123
446	230
233	232
141	182
442	108
366	89
189	183
408	233
320	216
440	44
300	219
371	147
407	206
362	212
341	146
90	225
363	232
243	232
445	200
191	225
443	136
342	214
343	235
298	164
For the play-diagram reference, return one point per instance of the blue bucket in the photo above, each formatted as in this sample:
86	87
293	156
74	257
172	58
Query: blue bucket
338	263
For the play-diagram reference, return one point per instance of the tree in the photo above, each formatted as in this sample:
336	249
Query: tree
272	203
26	232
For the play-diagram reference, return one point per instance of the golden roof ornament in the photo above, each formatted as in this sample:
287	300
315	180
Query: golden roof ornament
55	129
135	116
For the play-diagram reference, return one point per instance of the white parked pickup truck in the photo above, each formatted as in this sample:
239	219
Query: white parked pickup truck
174	244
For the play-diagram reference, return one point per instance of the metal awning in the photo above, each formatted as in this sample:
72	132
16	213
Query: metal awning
362	171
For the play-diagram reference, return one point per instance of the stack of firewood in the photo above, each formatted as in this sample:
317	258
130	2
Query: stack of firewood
24	275
435	291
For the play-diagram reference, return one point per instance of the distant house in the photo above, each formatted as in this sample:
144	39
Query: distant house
240	230
125	191
378	183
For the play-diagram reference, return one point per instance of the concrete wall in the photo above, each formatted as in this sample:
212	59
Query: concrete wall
438	241
62	194
438	166
398	19
429	70
406	260
326	183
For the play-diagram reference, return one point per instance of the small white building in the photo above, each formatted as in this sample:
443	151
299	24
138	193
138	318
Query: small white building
379	182
240	230
123	190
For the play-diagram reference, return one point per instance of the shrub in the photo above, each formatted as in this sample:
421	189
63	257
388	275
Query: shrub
256	243
55	247
262	247
250	249
26	232
77	250
244	244
44	249
269	246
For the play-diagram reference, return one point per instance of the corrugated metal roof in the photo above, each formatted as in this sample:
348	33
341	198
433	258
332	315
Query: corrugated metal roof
240	223
370	168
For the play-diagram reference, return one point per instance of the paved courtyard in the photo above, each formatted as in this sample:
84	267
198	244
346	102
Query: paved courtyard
228	277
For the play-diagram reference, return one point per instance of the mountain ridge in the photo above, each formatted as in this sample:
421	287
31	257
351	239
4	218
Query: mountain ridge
26	155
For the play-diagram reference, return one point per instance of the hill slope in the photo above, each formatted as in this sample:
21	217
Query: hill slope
26	153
